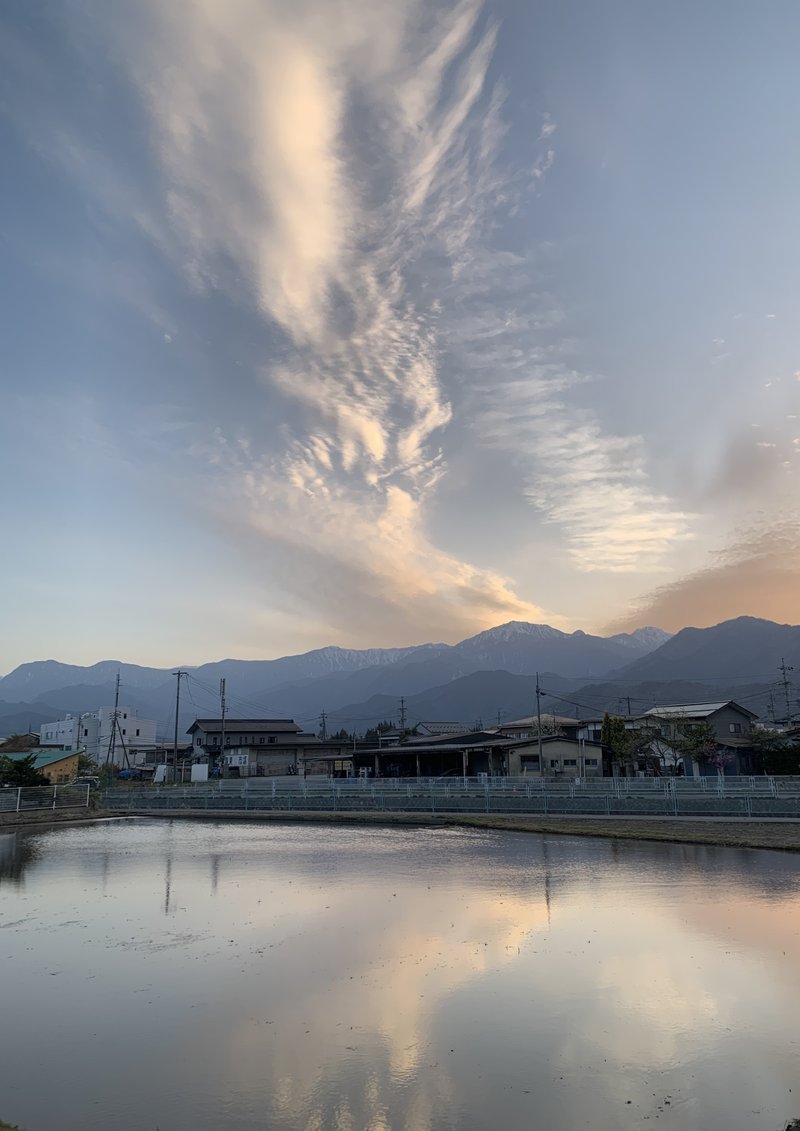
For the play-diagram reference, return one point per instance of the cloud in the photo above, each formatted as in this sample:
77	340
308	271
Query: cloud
335	174
260	113
523	400
755	576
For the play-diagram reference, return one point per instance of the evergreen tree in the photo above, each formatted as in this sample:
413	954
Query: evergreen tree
20	771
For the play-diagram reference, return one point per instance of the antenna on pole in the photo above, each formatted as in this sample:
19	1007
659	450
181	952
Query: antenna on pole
323	728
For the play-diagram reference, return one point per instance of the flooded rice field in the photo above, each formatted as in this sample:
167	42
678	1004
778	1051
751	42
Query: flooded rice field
186	976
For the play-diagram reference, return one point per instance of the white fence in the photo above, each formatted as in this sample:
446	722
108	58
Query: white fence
722	797
19	799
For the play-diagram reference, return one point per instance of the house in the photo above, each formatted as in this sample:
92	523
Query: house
481	752
440	729
528	726
58	766
26	741
731	723
253	747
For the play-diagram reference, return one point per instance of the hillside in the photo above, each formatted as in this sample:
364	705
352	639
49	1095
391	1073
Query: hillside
746	649
474	679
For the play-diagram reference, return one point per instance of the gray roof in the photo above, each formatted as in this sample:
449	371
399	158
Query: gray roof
235	726
695	710
531	720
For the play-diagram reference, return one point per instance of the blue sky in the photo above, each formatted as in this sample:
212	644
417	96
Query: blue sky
324	324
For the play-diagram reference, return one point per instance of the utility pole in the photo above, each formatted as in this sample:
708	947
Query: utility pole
222	728
772	708
323	729
112	742
179	675
628	700
784	670
539	723
402	718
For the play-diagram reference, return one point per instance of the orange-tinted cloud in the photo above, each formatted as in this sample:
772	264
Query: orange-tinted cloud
757	576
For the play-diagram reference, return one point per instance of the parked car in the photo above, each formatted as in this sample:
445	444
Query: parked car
87	779
130	775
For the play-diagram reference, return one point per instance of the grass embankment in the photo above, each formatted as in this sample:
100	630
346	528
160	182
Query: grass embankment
30	817
783	835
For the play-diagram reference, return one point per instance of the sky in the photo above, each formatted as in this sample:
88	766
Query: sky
333	323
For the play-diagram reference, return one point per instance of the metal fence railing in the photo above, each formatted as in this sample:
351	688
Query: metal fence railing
723	797
19	799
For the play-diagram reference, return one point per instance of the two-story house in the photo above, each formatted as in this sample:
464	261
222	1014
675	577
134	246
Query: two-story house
730	722
253	747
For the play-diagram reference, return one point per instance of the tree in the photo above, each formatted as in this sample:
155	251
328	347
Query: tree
775	753
86	766
341	736
618	740
649	747
697	740
373	732
20	771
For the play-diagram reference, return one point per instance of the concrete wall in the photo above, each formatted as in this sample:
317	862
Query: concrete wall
61	772
569	757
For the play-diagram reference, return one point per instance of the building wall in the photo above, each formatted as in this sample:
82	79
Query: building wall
62	733
92	733
255	761
728	717
57	773
571	759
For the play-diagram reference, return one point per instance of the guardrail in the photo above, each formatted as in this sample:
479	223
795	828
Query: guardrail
741	797
19	799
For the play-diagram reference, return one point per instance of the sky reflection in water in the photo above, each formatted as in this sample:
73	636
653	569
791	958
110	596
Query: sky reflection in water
197	977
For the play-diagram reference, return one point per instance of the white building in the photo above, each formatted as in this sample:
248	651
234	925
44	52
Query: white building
92	732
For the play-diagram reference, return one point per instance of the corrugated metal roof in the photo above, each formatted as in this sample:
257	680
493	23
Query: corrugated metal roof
695	710
43	757
531	720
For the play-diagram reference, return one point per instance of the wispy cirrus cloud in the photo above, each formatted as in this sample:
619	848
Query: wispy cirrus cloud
340	174
525	400
260	112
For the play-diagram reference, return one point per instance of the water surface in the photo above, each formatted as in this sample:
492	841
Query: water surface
203	977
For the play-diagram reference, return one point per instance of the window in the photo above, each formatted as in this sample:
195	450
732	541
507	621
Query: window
261	740
124	731
554	763
530	759
85	732
137	732
570	761
272	738
735	728
198	741
590	761
125	715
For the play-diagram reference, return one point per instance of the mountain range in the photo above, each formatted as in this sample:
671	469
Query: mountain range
471	681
